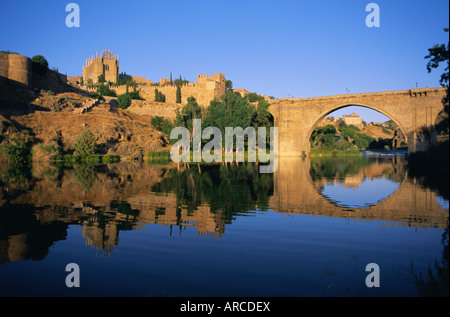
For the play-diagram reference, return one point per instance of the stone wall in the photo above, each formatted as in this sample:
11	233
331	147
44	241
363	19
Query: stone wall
16	68
161	109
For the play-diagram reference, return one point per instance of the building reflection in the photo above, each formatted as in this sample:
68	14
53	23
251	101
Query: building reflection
36	213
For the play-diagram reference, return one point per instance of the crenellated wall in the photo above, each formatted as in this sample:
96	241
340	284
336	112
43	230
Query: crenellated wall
107	64
206	89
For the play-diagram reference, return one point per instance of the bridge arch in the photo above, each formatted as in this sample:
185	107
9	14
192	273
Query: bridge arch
372	107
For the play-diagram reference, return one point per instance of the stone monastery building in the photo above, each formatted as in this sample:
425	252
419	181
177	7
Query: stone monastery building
204	90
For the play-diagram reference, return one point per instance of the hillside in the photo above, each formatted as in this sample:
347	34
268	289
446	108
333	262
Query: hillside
375	130
57	118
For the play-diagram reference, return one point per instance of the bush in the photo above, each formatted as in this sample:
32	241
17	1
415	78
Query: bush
162	124
157	122
343	145
124	101
167	126
135	95
85	144
19	159
95	95
105	91
362	141
17	154
386	131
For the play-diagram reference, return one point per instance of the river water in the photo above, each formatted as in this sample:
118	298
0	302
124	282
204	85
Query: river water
309	229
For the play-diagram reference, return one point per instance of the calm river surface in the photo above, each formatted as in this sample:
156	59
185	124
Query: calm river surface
309	229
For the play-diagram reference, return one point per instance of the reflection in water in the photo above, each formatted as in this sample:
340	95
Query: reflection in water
434	282
368	193
108	202
356	182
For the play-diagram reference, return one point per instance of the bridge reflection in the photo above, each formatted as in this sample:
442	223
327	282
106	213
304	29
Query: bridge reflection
36	212
410	205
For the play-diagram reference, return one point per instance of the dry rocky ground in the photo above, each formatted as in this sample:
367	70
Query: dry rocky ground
57	118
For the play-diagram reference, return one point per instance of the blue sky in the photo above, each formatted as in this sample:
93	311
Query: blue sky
279	48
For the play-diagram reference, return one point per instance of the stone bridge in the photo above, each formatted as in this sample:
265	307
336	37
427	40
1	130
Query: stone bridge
296	118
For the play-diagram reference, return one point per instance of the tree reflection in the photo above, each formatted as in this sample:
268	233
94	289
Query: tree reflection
337	168
436	280
229	189
85	175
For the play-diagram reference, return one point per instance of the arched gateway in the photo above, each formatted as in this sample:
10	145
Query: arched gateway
296	118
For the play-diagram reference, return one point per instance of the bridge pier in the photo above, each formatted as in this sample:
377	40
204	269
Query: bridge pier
421	141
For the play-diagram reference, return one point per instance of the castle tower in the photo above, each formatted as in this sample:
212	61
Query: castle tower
107	65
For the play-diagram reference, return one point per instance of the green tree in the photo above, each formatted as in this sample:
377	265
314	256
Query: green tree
123	79
178	94
230	110
347	131
329	141
86	143
261	117
135	95
85	175
166	126
253	97
187	113
39	59
39	64
438	54
228	85
101	79
319	134
159	96
329	128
